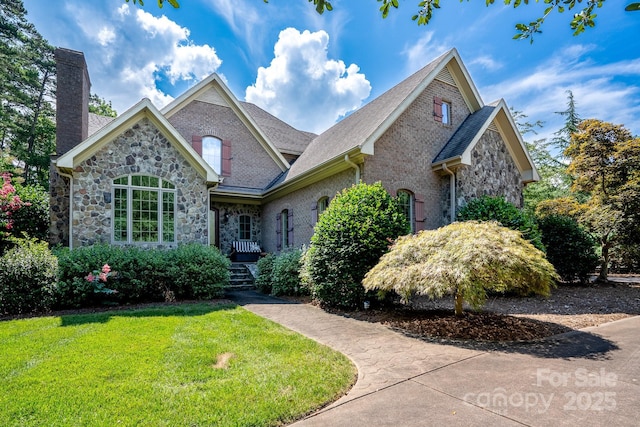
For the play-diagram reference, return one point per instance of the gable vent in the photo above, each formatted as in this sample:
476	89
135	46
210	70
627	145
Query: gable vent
211	96
493	127
445	77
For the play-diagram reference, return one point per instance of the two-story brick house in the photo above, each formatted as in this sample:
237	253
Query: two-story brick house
212	169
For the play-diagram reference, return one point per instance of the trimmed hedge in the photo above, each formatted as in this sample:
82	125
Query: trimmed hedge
286	274
191	271
279	274
264	280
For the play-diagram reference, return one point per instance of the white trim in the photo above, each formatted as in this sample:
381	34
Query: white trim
214	81
465	85
143	109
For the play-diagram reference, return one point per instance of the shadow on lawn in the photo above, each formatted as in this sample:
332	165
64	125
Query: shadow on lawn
103	315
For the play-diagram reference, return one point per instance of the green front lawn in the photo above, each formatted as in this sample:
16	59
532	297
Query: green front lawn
182	365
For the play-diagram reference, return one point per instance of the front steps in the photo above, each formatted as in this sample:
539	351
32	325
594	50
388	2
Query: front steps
241	278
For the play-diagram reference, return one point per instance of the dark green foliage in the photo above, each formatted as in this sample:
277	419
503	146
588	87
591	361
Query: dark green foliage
27	278
350	237
488	208
286	274
33	217
264	281
141	275
27	83
626	259
197	271
101	107
569	248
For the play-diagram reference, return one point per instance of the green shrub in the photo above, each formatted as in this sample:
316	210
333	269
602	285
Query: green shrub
286	274
32	218
625	259
569	248
264	281
349	238
467	260
198	271
27	277
141	275
488	208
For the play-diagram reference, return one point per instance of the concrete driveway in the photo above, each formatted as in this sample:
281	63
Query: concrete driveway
587	378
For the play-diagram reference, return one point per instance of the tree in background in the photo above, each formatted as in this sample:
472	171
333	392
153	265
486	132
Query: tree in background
27	80
605	165
101	107
464	259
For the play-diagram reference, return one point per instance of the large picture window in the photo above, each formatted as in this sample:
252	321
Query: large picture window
143	210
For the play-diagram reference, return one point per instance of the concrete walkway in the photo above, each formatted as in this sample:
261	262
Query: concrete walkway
587	378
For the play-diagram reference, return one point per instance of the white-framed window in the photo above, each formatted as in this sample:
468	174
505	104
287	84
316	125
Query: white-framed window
212	152
446	113
442	111
405	202
244	227
144	210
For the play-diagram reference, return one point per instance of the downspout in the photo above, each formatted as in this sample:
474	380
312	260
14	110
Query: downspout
70	206
452	191
353	165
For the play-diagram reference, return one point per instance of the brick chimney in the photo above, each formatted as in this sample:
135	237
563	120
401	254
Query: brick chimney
72	99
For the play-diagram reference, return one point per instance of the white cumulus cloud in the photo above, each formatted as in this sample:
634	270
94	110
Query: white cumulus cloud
305	88
599	90
132	54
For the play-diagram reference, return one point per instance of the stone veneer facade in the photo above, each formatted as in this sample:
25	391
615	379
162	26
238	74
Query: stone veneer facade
492	173
141	149
229	223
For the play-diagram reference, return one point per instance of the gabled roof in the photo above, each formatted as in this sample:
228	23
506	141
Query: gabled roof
143	109
286	138
467	132
459	147
97	122
214	82
358	132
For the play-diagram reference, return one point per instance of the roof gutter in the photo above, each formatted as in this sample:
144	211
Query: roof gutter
452	192
353	165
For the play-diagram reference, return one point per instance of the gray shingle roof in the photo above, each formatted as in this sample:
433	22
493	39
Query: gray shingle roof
97	122
286	138
463	136
355	129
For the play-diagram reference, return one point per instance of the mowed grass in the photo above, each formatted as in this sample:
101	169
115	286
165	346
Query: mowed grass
183	365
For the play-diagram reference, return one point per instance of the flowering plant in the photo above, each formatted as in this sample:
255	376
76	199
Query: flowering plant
9	202
99	279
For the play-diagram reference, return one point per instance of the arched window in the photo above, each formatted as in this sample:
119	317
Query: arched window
212	152
323	204
143	210
405	201
244	227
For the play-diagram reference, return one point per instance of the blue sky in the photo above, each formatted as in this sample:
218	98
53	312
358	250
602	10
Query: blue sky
311	70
